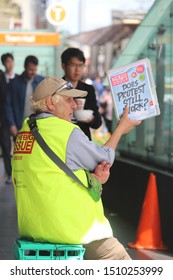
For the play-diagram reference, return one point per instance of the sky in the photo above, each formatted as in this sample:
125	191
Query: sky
86	15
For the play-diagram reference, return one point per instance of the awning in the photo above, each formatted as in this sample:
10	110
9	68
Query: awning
113	33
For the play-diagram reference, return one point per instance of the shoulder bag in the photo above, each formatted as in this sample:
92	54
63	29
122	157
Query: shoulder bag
94	186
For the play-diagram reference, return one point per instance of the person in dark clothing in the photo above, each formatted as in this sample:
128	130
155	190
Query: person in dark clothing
73	63
7	60
19	91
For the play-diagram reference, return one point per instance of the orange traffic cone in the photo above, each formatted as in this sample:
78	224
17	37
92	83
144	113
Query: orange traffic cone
149	230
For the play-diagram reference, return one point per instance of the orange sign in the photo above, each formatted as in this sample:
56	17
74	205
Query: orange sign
24	143
56	14
21	38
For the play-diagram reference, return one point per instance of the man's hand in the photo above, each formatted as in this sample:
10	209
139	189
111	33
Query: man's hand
124	126
102	172
13	130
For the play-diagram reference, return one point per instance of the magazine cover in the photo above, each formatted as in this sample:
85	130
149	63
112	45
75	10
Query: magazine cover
133	86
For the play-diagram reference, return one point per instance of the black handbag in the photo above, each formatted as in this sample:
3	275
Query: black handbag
94	186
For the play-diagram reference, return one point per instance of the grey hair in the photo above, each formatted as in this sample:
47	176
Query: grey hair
41	106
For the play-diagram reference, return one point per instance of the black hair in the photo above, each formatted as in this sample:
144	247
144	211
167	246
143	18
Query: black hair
30	59
5	56
72	52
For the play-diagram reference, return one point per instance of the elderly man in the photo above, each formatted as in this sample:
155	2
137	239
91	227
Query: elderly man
51	205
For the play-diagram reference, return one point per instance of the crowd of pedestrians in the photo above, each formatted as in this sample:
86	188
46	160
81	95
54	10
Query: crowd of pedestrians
16	89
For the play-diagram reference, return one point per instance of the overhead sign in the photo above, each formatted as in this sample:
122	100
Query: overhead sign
26	38
56	14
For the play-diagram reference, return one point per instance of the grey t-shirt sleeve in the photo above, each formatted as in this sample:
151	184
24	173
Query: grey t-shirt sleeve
85	154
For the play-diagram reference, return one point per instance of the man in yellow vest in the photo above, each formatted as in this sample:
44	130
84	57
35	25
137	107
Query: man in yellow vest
51	206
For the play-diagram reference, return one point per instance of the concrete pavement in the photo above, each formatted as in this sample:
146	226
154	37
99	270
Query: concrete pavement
8	227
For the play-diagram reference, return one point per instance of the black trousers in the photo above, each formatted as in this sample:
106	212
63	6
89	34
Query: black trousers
5	143
109	125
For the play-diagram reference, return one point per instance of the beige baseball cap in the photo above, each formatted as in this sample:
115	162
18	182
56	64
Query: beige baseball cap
50	85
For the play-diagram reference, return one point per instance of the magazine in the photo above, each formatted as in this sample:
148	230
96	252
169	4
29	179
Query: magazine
133	86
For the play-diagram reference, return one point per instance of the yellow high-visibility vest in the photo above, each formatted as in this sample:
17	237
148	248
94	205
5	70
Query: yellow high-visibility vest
51	206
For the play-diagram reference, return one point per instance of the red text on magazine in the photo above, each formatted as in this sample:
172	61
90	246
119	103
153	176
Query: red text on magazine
119	79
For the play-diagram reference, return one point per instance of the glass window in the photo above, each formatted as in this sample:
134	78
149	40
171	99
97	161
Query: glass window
153	140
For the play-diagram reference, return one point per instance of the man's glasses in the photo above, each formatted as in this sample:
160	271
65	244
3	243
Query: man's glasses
68	85
74	65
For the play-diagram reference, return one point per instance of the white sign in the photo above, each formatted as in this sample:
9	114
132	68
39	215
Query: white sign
56	14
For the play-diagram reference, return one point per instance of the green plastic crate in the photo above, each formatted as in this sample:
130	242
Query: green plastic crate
27	250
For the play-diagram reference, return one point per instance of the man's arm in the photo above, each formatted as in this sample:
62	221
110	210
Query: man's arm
92	101
124	126
9	110
102	172
85	154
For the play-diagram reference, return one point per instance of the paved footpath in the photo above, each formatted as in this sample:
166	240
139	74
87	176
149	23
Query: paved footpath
8	224
8	227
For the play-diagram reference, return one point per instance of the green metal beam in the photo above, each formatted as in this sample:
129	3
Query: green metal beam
145	30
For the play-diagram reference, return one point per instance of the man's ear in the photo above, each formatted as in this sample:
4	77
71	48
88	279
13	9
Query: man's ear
50	104
63	66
